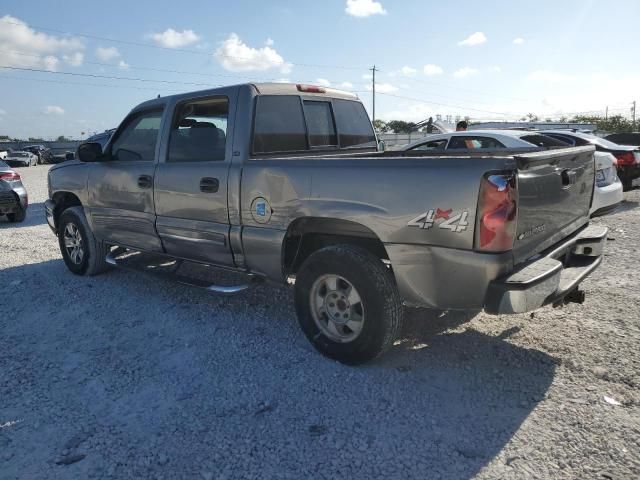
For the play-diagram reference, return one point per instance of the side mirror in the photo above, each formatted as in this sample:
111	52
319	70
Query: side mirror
89	152
381	146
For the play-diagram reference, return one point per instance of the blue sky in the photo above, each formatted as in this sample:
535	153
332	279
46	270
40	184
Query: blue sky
486	60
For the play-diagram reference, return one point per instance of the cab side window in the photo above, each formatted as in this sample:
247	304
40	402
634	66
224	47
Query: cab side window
137	140
199	131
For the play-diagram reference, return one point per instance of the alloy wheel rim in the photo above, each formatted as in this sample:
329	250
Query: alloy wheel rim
337	308
73	243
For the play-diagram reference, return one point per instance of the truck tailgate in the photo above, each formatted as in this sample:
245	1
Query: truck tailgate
555	192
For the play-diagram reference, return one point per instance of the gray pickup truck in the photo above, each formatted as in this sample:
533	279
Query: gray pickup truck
286	183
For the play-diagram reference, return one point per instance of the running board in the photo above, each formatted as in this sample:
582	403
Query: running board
167	268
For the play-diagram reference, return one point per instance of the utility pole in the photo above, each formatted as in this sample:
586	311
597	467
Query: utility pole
606	113
373	89
633	113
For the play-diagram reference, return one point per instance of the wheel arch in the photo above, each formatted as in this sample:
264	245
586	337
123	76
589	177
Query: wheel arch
64	200
307	235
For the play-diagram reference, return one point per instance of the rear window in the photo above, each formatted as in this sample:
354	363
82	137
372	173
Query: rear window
322	131
544	141
279	125
354	126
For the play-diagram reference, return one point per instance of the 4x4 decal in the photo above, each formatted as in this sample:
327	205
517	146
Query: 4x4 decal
456	222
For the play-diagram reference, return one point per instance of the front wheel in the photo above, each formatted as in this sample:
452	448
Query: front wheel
348	304
82	252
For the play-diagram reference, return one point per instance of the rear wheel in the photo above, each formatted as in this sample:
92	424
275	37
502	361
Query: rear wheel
348	304
82	252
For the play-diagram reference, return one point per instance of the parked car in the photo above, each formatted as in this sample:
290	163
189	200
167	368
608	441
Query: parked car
21	159
631	138
627	157
102	138
286	183
607	194
483	140
13	196
4	153
43	153
607	189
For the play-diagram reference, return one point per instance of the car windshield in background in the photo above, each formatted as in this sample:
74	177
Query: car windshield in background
543	141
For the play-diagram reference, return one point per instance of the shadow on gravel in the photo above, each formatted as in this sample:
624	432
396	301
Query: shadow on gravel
626	205
35	216
171	381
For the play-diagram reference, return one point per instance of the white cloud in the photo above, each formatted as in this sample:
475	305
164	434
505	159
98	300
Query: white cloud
107	53
367	76
383	88
408	71
235	55
495	69
323	82
414	112
430	70
51	63
477	38
364	8
518	41
123	65
23	47
53	110
550	76
464	72
283	80
74	59
346	85
269	42
171	38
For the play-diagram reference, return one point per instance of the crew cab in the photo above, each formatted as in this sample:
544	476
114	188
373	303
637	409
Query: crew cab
285	183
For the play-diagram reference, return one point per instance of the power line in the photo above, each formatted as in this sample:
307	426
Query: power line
164	70
159	47
110	77
443	104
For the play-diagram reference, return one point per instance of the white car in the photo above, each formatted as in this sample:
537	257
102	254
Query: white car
21	159
607	193
607	189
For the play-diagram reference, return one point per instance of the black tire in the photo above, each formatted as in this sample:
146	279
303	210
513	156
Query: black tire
383	312
627	185
17	217
94	251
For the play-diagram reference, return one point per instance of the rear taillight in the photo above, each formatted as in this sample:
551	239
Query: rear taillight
9	176
497	212
625	158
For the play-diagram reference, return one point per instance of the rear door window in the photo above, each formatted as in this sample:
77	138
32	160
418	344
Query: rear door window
199	131
473	143
354	126
279	125
433	145
322	130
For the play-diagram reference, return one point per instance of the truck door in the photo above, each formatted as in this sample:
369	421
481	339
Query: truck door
121	184
190	190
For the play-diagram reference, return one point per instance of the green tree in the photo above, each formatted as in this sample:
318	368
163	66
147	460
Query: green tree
400	126
380	126
613	124
62	138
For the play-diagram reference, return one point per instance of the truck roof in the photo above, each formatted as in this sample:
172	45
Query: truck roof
273	88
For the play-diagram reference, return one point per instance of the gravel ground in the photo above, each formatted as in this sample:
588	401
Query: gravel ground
127	376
